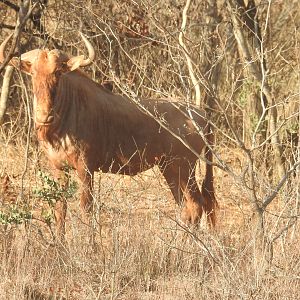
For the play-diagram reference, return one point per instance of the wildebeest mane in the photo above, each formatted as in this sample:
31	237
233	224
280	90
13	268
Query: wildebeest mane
84	108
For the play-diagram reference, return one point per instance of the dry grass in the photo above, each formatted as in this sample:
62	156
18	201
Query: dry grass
142	250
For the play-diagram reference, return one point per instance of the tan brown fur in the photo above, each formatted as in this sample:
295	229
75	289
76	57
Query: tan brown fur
86	127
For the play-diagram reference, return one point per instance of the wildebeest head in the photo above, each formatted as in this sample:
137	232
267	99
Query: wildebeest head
45	68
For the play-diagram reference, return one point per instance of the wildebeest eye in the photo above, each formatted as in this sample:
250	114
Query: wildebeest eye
63	67
58	72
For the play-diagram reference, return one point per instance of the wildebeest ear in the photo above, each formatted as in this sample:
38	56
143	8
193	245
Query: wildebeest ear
75	62
23	65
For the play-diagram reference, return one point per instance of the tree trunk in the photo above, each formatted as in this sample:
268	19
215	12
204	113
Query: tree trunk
255	118
211	68
258	71
5	91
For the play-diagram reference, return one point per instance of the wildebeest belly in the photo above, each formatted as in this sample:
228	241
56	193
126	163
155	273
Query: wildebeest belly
128	162
133	158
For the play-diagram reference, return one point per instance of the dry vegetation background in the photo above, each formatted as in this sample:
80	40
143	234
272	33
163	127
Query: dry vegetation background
142	249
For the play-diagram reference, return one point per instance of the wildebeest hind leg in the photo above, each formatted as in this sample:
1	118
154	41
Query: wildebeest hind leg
183	185
194	201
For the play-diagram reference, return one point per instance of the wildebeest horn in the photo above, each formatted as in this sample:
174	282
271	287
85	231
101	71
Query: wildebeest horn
3	46
91	51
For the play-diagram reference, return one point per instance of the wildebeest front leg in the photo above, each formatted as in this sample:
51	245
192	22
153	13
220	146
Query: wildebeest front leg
60	209
172	177
86	201
60	217
86	196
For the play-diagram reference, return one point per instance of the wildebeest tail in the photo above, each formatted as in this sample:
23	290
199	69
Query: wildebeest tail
210	202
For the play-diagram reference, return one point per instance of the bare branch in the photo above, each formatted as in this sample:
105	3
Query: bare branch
11	5
6	26
269	198
195	82
35	17
24	14
134	98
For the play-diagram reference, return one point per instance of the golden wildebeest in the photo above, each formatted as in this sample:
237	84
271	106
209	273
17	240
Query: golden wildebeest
82	125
